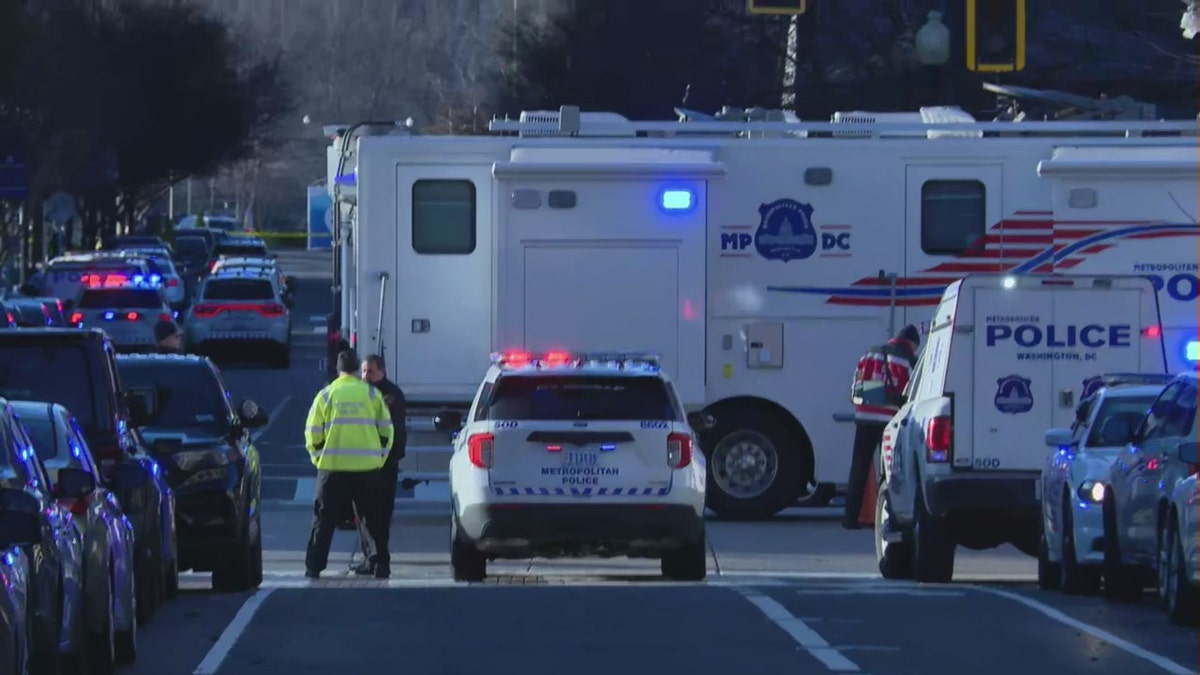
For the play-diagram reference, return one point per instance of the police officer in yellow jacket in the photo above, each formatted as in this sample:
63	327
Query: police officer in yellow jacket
348	435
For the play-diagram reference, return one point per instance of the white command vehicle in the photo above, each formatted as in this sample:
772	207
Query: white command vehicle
760	259
1007	358
1073	479
570	455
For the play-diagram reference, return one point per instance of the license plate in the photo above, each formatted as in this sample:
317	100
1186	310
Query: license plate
580	458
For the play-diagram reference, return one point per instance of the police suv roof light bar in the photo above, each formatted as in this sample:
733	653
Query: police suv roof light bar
520	359
1119	379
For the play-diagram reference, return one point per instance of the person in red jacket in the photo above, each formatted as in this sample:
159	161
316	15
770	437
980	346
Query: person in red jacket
877	393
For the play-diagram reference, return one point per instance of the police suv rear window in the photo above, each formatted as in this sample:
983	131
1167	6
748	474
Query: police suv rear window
592	398
110	298
239	289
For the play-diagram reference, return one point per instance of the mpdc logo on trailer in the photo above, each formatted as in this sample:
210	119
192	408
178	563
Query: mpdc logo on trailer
786	232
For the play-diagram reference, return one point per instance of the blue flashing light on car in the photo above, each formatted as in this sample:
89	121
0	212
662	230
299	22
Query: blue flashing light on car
1192	351
677	200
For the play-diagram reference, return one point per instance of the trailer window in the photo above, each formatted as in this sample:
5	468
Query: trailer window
953	215
443	217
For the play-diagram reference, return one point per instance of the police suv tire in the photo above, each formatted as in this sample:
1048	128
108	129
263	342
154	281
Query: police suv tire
1122	583
933	550
100	651
283	358
1182	601
1074	579
235	572
466	562
1049	575
787	484
895	561
687	563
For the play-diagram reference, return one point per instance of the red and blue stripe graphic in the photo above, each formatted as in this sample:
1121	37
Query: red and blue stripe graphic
1029	243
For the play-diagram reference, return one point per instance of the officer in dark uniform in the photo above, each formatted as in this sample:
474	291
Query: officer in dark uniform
374	372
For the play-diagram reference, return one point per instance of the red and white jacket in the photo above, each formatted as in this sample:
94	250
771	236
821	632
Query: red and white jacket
895	359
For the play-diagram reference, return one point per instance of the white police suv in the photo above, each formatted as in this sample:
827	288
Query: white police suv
573	455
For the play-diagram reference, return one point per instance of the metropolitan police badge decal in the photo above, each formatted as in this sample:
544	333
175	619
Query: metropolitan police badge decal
1013	395
785	231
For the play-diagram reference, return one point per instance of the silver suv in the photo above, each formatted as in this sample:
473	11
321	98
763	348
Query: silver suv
239	312
126	313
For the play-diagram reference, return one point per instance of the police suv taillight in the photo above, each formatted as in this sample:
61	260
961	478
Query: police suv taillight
479	450
679	450
939	434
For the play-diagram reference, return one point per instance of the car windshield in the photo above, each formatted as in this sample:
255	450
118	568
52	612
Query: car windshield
41	432
111	298
241	250
55	373
581	398
239	289
1116	420
189	395
191	247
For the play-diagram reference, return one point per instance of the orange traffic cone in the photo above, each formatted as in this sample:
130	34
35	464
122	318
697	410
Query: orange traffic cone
867	515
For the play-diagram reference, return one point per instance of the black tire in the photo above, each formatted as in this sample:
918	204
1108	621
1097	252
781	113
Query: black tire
126	641
282	359
753	426
895	559
933	550
818	495
1182	601
1049	574
466	561
235	574
102	640
1074	579
687	563
1122	583
145	580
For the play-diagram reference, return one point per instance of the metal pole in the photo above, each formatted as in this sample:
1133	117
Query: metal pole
171	204
189	195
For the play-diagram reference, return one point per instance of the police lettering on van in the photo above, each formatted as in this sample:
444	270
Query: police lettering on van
1178	281
1069	342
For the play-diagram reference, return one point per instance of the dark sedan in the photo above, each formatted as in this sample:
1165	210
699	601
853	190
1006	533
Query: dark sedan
107	534
34	520
29	312
204	445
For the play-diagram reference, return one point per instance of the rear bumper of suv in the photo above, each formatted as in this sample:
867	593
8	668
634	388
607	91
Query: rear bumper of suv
558	529
963	490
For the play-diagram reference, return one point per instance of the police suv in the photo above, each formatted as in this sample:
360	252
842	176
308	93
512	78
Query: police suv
125	308
1007	358
572	455
242	312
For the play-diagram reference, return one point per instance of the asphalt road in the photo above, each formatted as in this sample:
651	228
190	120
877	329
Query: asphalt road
797	594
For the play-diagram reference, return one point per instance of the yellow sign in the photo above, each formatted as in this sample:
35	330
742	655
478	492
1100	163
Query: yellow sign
777	7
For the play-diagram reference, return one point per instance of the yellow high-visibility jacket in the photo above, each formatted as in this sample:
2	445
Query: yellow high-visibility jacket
348	427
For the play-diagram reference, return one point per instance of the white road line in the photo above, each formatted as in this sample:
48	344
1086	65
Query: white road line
320	330
273	415
800	632
1166	664
914	592
229	637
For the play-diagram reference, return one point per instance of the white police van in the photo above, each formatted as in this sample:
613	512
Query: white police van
572	455
1007	358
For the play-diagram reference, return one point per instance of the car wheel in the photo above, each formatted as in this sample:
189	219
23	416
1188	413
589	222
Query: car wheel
1182	602
101	648
1074	579
1121	582
1048	571
754	464
933	550
126	640
236	573
466	561
687	563
895	558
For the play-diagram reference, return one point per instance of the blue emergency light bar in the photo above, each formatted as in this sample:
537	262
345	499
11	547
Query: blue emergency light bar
561	359
1191	352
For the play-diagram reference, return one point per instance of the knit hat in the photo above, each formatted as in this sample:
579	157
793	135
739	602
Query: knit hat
165	329
911	334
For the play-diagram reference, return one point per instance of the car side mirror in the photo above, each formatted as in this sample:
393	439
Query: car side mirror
448	420
142	404
252	415
75	483
1057	438
20	517
701	421
129	476
1188	452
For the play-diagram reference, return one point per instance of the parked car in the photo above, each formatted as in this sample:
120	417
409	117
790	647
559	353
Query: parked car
1181	592
204	444
107	533
33	519
48	364
1141	483
29	312
1077	467
15	611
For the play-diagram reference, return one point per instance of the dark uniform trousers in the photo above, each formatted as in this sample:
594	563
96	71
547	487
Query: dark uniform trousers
339	495
867	437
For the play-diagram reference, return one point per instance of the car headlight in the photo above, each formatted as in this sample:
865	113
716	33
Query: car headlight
1091	491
